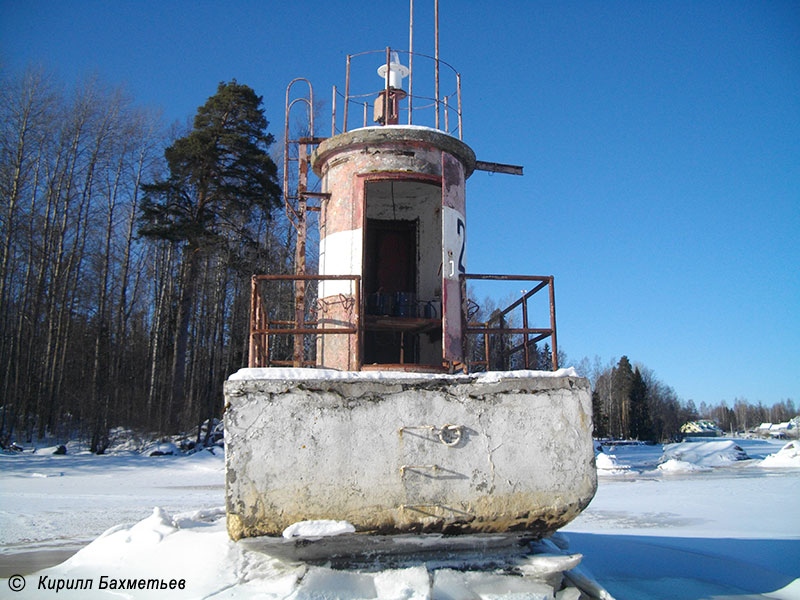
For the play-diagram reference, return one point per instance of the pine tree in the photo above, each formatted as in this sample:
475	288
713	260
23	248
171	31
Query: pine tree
621	384
220	177
599	418
640	425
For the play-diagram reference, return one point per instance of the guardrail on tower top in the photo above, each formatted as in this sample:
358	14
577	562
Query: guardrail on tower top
436	108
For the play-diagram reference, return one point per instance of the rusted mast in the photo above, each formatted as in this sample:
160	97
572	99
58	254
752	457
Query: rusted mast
436	61
410	58
346	94
300	253
458	90
386	102
333	114
300	223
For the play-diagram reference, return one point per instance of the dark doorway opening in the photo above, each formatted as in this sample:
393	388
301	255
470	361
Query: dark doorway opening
391	256
390	285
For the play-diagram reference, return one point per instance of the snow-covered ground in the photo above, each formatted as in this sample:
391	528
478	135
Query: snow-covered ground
703	525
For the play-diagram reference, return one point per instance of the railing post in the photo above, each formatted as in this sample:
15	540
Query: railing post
553	323
359	315
251	359
486	344
462	278
525	335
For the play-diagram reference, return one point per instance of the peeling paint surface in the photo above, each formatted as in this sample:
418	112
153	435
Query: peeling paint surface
349	162
393	456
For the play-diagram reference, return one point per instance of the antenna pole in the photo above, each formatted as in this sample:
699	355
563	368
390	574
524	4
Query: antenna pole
458	87
333	116
436	20
346	95
386	101
410	57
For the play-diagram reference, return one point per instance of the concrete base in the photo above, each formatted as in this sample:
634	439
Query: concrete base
358	550
407	452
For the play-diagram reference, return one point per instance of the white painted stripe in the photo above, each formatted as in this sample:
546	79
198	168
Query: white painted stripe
340	253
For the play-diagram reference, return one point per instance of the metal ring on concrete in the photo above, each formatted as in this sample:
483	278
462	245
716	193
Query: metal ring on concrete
456	430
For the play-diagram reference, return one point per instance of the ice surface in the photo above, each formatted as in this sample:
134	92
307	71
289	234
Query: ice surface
449	584
49	501
726	532
673	465
732	531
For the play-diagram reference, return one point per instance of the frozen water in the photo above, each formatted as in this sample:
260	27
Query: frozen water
729	532
673	465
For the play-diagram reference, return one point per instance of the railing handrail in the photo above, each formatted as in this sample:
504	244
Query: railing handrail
540	333
262	327
259	348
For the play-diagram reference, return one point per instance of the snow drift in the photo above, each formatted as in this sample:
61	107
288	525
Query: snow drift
607	464
190	556
673	465
703	454
788	456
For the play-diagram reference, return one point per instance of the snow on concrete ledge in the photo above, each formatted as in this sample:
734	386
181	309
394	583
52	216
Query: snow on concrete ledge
318	528
298	374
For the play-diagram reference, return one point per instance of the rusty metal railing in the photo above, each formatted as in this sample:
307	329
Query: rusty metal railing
530	335
262	327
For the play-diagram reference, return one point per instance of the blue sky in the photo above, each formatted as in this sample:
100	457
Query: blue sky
661	146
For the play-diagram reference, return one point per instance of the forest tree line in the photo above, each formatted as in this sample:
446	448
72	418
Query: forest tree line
629	402
126	251
122	270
